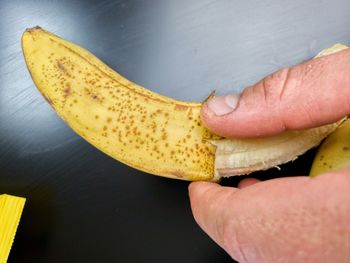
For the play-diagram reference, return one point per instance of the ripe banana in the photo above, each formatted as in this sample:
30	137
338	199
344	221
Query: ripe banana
140	128
334	152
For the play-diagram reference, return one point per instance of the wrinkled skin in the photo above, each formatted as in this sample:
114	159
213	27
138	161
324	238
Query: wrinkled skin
296	219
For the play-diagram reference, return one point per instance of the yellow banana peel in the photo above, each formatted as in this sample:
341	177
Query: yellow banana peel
10	213
143	129
334	152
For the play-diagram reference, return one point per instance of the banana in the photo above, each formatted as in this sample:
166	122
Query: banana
334	152
142	129
147	131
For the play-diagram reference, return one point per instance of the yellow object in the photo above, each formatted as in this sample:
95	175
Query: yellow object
334	153
140	128
10	212
145	130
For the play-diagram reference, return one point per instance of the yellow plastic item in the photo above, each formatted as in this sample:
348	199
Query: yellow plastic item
11	208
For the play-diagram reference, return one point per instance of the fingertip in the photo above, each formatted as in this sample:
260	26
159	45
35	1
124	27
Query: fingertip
198	189
198	192
210	204
206	196
225	116
206	114
213	122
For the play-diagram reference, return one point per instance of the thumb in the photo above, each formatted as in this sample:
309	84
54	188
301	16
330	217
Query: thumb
311	94
209	202
291	219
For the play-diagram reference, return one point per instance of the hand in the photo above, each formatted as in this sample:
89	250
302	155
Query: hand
296	219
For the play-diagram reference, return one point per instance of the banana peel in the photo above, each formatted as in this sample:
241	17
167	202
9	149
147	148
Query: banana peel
143	129
334	152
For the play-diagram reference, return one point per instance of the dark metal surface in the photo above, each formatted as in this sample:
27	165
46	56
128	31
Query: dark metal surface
82	206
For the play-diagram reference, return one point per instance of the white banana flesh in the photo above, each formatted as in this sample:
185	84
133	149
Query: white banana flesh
249	155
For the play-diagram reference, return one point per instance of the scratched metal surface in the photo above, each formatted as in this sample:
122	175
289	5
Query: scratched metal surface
83	206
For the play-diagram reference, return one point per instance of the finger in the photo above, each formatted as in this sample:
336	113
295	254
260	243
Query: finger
247	182
208	204
311	94
293	219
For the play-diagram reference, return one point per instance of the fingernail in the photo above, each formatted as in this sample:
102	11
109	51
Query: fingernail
223	105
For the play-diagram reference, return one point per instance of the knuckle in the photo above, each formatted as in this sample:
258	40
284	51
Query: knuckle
275	85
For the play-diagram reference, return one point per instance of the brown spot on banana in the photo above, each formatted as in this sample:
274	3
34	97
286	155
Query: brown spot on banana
60	66
67	91
178	174
180	107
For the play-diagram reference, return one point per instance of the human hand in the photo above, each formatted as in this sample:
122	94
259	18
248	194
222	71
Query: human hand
296	219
